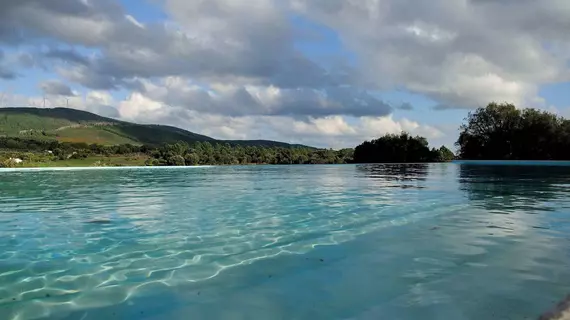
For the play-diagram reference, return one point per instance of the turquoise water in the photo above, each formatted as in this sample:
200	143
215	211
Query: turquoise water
438	241
515	162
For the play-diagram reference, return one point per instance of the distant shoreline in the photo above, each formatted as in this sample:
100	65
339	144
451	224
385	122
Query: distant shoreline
96	168
125	167
562	163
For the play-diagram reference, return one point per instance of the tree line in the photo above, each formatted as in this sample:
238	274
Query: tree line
182	153
63	150
205	153
495	132
503	132
499	131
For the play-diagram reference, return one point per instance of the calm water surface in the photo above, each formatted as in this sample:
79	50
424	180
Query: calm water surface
440	241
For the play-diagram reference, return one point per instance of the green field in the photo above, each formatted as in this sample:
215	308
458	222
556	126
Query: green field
70	125
97	135
95	161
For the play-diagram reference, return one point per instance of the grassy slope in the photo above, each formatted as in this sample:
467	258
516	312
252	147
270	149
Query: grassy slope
72	125
97	135
91	162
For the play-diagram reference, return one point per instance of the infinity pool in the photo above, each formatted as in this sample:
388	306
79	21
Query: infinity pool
438	241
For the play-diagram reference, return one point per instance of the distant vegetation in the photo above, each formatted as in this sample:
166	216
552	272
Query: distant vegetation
41	137
390	148
44	152
71	125
205	153
503	132
61	136
400	148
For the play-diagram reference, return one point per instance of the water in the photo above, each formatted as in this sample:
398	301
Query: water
439	241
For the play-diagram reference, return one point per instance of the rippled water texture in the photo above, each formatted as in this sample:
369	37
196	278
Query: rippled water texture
441	241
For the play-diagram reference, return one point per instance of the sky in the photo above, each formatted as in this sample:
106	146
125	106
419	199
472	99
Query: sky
326	73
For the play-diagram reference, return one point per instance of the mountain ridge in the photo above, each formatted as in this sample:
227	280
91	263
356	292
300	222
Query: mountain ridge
73	125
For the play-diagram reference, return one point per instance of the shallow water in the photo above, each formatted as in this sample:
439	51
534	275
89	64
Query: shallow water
438	241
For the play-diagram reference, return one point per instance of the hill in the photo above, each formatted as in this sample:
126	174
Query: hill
71	125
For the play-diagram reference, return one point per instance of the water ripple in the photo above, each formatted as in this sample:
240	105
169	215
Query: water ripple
79	240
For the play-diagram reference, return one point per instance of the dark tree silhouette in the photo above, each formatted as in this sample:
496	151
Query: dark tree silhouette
503	132
401	148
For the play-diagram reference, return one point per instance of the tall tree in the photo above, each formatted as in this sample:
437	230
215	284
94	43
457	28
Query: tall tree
503	132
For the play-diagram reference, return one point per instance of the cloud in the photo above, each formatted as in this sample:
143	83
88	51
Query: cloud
70	21
214	39
101	103
333	131
66	55
55	87
237	100
459	53
405	106
329	131
240	65
5	72
98	102
26	60
219	41
88	78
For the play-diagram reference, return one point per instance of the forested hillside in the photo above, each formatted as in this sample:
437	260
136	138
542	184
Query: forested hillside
76	126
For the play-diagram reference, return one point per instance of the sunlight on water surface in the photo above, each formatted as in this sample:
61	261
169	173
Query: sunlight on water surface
438	241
